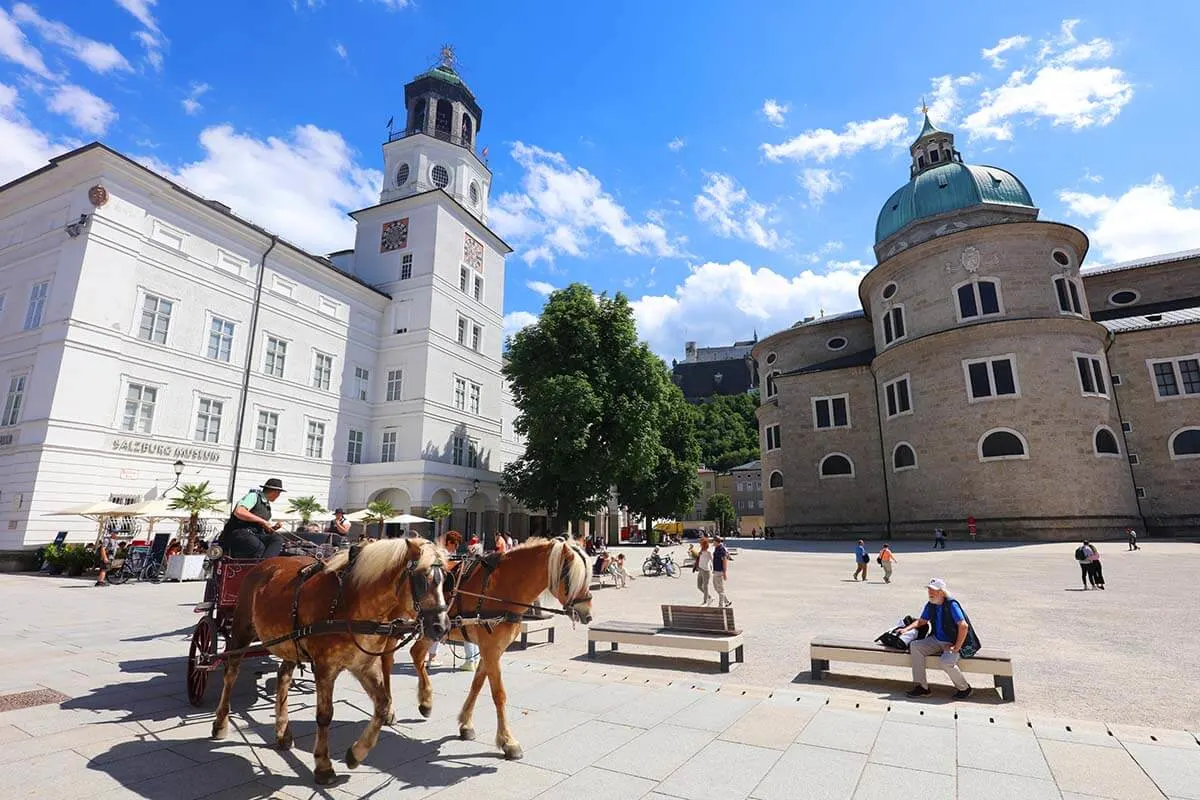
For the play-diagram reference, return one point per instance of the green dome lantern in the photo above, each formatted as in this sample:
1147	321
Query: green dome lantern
942	183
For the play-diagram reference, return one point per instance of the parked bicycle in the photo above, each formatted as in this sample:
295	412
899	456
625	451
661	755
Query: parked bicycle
139	565
656	565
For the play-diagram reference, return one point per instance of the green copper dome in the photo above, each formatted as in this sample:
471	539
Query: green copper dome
949	187
445	74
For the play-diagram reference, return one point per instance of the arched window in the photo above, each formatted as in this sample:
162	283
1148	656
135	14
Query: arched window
1105	442
468	130
837	465
776	480
416	123
1186	443
904	457
979	297
442	120
1002	443
772	388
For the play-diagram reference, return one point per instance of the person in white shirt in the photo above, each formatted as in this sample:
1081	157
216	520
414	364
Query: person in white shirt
703	567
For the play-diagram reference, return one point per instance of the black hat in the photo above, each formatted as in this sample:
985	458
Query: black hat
338	511
273	483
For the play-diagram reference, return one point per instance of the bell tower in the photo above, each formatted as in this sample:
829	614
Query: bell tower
932	148
436	147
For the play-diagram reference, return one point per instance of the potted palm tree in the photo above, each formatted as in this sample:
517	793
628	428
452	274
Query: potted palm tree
378	511
305	507
194	498
437	513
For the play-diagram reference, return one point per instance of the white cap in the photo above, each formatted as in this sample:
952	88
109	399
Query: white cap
936	583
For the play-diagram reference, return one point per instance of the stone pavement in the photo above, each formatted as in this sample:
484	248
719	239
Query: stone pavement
126	730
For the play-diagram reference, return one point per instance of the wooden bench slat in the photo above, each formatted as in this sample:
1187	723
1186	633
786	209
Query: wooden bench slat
698	618
985	654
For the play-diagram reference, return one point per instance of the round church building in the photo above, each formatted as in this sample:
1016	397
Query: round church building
977	386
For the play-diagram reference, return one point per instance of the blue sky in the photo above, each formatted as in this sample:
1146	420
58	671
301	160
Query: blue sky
723	169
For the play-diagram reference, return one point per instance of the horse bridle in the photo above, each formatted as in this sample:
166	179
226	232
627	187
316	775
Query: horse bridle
586	597
419	583
568	608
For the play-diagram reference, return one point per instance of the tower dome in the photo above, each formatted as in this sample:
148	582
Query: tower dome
440	104
942	183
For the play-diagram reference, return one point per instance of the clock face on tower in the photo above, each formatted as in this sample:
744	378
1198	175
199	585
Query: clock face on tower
394	236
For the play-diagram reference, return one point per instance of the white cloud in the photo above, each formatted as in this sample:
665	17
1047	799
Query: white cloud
86	111
823	144
191	103
774	111
394	5
818	183
98	56
1145	221
992	54
1057	86
945	102
676	144
541	287
299	187
22	147
731	213
823	251
151	39
560	209
516	320
17	49
722	303
340	49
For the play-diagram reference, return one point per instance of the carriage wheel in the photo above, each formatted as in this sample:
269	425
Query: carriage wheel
202	653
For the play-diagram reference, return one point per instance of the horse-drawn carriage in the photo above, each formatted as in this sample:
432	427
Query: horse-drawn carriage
203	657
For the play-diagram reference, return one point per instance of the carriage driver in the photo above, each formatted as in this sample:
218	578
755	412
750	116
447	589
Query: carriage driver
249	533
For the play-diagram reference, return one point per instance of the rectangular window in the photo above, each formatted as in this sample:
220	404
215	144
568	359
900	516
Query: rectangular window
14	400
473	454
139	408
992	377
772	437
275	356
476	335
322	370
893	325
464	277
458	450
362	383
354	447
264	434
1177	376
1140	492
978	299
1068	296
898	399
1091	376
832	412
1133	459
1127	427
220	339
406	266
37	305
475	398
388	452
395	383
479	288
314	446
156	319
208	420
462	330
460	394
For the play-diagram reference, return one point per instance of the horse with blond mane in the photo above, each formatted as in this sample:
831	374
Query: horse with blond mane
489	597
395	579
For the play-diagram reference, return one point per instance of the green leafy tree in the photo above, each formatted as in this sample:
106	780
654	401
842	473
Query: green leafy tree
306	507
194	498
666	484
585	397
378	511
437	513
728	430
720	511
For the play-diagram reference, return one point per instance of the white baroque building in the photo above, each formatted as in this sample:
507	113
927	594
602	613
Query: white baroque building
141	324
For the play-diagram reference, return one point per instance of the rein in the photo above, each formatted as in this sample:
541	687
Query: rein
404	629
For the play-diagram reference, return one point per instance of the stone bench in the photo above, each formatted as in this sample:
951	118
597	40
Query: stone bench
700	628
987	661
535	625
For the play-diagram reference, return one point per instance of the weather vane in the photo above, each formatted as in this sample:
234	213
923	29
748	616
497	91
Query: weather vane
447	56
924	108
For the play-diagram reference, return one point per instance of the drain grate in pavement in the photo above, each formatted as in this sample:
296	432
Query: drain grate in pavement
38	697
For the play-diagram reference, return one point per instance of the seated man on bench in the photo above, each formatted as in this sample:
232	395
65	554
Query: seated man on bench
949	628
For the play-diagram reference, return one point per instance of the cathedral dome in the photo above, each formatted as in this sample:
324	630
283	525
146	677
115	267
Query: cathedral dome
949	187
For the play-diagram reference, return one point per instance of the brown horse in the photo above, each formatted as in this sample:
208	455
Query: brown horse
391	579
518	579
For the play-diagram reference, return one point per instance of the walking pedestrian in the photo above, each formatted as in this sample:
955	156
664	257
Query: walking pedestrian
1083	557
1094	568
861	559
720	567
103	555
1132	535
939	538
704	570
949	629
621	574
887	561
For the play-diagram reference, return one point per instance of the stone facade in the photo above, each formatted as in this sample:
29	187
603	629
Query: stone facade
986	377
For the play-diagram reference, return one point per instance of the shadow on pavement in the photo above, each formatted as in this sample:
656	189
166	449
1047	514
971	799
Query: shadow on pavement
893	690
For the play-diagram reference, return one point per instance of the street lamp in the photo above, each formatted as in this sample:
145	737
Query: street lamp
178	467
